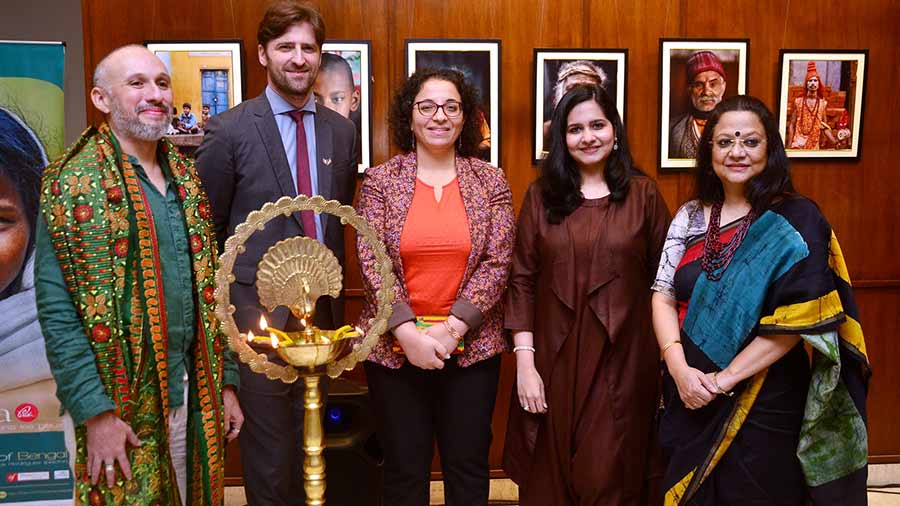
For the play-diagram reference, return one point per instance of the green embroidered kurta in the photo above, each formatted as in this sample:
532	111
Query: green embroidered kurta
106	233
79	387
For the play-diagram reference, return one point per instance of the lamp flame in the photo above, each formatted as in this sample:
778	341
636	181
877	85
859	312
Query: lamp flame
262	322
274	340
250	336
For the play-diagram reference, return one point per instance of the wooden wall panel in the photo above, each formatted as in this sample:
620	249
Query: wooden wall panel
859	198
878	314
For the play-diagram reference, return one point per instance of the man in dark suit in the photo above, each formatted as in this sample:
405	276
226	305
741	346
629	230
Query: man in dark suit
278	144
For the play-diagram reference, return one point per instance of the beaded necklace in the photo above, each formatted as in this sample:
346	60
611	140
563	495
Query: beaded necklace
813	112
717	255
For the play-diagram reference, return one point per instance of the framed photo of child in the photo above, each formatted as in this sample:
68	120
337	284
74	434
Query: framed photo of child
344	85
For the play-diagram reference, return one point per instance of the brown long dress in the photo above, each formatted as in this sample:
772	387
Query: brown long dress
583	288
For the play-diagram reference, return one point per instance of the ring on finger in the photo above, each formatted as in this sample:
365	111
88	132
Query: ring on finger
109	468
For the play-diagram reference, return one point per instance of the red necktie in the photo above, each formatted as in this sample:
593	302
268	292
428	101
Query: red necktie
304	183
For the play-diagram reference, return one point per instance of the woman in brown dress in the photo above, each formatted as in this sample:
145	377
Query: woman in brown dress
589	237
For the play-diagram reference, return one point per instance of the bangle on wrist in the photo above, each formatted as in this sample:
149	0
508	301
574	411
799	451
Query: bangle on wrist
523	348
453	332
716	384
669	345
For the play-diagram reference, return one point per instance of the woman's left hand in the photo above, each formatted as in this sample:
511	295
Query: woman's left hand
441	335
723	379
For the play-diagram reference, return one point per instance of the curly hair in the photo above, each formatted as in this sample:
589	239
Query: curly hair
400	117
775	179
560	178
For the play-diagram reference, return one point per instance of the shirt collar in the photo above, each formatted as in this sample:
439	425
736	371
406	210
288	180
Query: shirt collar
160	157
281	106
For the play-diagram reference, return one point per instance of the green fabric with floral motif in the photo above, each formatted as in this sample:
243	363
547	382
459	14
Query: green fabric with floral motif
102	232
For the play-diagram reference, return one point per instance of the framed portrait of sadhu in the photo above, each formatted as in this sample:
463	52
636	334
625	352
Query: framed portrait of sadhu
344	85
695	75
556	71
820	102
479	62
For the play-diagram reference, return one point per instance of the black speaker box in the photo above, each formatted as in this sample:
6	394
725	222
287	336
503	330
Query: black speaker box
353	460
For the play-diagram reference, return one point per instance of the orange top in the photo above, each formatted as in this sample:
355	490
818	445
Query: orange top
435	246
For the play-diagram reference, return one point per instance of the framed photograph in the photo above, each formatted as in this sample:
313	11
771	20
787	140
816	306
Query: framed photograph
695	75
344	85
207	79
479	61
556	71
820	102
204	72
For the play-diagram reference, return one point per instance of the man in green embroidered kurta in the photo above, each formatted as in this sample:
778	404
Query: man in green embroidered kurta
125	262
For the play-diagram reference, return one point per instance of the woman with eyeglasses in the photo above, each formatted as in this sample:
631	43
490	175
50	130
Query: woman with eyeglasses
589	236
446	219
750	272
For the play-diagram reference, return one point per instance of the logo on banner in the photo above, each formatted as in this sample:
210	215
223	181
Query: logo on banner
26	412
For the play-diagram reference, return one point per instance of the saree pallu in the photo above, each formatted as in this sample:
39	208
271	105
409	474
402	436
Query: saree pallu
794	433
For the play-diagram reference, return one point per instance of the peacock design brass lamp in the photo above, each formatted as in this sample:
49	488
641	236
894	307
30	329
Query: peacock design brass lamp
294	273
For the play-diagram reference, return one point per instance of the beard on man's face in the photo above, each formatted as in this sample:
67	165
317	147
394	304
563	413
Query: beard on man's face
130	122
292	87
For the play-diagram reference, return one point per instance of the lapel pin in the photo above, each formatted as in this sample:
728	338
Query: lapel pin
326	161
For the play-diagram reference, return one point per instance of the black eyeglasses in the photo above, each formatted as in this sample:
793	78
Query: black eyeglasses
429	108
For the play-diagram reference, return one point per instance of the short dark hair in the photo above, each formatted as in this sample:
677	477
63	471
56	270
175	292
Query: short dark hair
336	63
282	14
22	162
775	179
560	178
186	104
205	105
400	118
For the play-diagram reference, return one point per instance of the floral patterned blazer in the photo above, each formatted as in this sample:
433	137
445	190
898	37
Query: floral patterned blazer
384	200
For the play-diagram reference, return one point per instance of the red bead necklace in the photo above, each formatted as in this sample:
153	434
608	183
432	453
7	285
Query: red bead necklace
717	255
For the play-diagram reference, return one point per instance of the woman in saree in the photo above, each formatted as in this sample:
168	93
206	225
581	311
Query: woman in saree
751	272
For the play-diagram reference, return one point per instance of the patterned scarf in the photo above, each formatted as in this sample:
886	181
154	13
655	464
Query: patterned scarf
102	230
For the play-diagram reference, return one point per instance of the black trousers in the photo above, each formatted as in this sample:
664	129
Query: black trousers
413	407
272	435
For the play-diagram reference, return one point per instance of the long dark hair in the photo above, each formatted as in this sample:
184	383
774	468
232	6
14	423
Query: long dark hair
775	179
560	179
22	162
400	117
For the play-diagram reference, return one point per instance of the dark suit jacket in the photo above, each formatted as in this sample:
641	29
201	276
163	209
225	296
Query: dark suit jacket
242	164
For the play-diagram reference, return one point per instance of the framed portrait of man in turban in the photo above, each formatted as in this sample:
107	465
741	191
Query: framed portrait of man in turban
820	102
695	75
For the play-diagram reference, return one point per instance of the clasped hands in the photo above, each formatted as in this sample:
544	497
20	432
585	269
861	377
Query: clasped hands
697	389
427	349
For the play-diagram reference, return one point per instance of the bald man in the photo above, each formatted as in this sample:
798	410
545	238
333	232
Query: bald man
124	279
